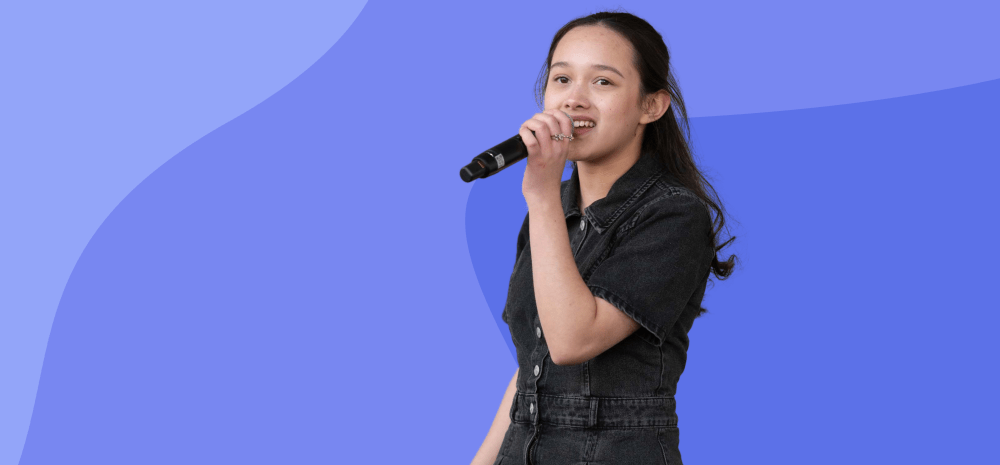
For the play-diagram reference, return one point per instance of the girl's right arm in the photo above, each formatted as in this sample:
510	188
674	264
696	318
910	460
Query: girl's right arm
491	445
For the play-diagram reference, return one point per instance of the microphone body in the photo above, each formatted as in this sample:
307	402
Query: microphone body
495	159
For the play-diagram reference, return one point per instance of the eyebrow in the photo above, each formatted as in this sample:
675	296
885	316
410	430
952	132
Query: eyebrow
596	66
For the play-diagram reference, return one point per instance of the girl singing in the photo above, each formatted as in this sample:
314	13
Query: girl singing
612	264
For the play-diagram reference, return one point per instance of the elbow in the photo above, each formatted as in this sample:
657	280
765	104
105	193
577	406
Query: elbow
556	359
571	347
569	351
563	357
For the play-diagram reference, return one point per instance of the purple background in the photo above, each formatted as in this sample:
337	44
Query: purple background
237	234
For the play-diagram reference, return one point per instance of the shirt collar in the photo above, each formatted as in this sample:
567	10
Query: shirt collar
624	192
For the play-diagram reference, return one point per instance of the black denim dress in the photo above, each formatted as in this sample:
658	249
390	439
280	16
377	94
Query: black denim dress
646	249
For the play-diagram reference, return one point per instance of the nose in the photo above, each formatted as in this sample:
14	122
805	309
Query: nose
577	97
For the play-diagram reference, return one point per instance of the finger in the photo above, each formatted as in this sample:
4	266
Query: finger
542	134
565	122
551	122
530	141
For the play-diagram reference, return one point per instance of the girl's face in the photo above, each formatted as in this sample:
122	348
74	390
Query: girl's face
592	75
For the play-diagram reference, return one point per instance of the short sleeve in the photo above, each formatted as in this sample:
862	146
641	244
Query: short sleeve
660	259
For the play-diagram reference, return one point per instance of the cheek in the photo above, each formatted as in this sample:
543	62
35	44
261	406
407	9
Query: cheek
613	109
622	111
619	119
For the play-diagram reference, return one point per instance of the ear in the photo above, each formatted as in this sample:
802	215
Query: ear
656	105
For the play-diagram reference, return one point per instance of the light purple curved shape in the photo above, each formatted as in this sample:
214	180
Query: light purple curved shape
753	57
97	95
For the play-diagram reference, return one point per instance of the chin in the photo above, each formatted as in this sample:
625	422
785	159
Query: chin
584	157
577	155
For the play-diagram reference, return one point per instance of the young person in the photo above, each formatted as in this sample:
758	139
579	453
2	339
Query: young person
613	263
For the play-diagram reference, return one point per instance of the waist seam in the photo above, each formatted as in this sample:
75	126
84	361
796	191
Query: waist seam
594	411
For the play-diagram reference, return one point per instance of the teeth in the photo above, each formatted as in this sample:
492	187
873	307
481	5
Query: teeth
583	124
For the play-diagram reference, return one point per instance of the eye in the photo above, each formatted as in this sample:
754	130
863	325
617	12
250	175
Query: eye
557	79
605	80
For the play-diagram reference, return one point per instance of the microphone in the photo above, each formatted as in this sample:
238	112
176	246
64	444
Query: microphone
497	158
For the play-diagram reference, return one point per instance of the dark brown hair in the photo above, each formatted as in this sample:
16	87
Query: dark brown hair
669	136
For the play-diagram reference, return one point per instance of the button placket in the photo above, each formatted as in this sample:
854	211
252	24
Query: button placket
532	400
536	357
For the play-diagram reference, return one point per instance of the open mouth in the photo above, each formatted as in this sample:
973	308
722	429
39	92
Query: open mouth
582	127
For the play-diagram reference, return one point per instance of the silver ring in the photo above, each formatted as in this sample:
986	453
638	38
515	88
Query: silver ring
562	136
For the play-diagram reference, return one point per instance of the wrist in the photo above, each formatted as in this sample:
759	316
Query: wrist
547	199
543	194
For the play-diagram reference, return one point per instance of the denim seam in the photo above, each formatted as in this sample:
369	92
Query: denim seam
607	222
560	396
663	451
660	385
600	259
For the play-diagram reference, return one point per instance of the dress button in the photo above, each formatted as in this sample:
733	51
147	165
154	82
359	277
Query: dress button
531	408
536	370
538	331
583	224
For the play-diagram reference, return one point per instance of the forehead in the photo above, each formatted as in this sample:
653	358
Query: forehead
584	46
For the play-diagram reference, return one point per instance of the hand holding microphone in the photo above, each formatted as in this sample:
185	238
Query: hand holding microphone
547	152
554	129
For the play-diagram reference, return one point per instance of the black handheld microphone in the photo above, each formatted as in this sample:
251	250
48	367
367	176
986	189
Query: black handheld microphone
497	158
